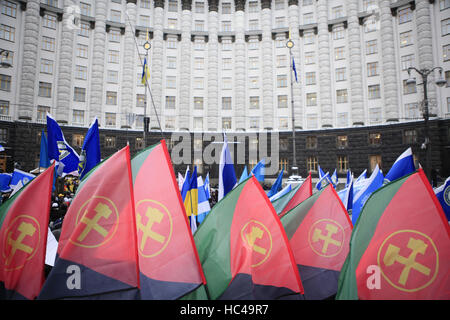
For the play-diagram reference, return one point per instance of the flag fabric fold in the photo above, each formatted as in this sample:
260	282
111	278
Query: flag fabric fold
403	232
24	222
276	185
303	193
203	203
259	170
323	181
168	260
227	176
280	194
90	151
44	161
244	175
402	166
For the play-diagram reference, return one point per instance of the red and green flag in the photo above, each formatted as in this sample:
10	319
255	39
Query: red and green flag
168	260
319	232
24	222
243	249
400	246
97	252
303	193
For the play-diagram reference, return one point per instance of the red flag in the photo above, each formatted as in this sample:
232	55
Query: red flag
168	259
97	248
23	238
303	193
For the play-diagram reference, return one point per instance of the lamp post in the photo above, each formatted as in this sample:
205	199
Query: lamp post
147	47
426	114
290	45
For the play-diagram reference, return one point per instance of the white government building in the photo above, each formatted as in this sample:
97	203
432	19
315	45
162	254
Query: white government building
222	65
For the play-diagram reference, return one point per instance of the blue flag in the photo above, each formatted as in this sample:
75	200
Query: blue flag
207	187
2	148
203	204
90	152
259	170
403	166
186	184
281	193
349	178
346	196
244	175
321	173
295	70
5	180
59	150
443	195
21	178
44	161
227	176
323	181
277	185
334	178
373	183
362	176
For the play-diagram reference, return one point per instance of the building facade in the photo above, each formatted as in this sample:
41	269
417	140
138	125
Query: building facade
222	65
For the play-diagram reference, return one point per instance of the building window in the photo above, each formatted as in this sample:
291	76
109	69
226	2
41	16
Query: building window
369	5
170	102
46	66
115	15
114	35
170	123
226	8
280	22
284	165
311	164
406	39
172	23
341	96
85	9
111	97
7	57
144	20
171	82
375	115
311	142
9	9
171	43
226	123
338	33
340	74
309	58
113	56
374	161
199	25
308	18
342	163
227	84
407	61
81	72
84	29
307	2
283	123
227	45
3	135
282	81
41	115
375	139
48	44
82	51
79	94
342	142
226	103
112	76
254	82
198	103
342	119
252	24
253	63
253	7
199	83
4	108
198	124
308	38
445	27
409	88
279	4
372	69
254	102
444	4
371	47
337	12
282	101
374	91
409	136
404	15
110	119
49	21
110	142
339	53
254	123
77	140
78	117
139	143
45	89
281	60
199	63
253	44
5	82
7	33
173	6
311	99
140	100
310	78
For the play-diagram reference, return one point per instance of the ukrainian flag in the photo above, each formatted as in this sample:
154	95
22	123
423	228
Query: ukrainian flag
191	199
145	72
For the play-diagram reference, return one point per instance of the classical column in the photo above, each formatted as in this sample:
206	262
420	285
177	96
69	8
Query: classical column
356	87
293	16
213	58
388	62
128	72
98	61
185	69
267	58
324	65
30	53
425	47
239	66
64	79
156	63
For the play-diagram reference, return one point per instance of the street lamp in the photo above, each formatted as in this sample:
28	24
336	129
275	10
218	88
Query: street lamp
426	115
290	45
147	47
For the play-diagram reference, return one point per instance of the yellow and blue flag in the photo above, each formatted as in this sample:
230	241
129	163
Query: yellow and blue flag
145	72
191	198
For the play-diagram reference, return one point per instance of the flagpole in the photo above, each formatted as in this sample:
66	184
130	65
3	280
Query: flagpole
147	47
290	45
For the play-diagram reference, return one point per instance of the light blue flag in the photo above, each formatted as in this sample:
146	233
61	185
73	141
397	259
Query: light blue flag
362	176
207	187
244	175
2	148
323	182
20	178
281	193
373	183
321	173
259	170
349	178
403	166
90	151
59	150
227	175
443	195
44	161
277	185
334	178
5	180
203	204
